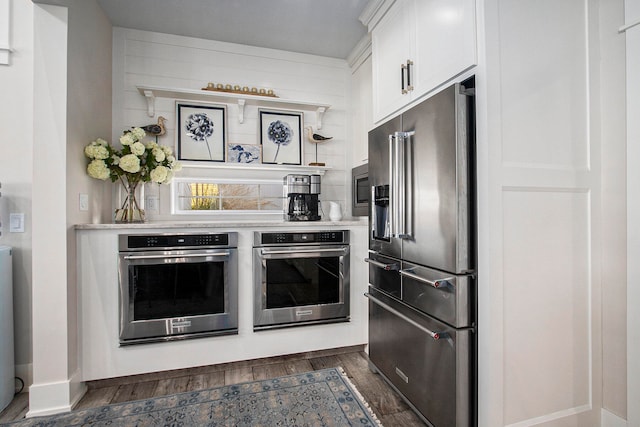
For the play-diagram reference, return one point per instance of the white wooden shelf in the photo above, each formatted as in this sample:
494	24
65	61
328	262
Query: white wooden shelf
153	92
318	170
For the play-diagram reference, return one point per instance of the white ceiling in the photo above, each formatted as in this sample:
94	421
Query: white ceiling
320	27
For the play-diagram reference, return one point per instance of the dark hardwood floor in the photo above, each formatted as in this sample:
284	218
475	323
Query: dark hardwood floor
390	409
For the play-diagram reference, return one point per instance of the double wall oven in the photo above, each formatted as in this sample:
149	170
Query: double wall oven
177	286
300	278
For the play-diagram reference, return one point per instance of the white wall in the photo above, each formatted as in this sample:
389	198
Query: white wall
88	116
614	226
16	140
146	58
632	15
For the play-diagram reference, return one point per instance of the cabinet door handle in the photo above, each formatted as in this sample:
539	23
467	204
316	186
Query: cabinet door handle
403	67
409	85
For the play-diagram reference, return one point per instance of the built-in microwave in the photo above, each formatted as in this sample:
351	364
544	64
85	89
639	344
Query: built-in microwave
360	193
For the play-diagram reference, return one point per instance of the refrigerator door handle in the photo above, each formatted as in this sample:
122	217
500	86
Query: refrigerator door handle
438	284
435	335
382	265
393	139
401	190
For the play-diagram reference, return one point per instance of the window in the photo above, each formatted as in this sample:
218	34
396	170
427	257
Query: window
206	196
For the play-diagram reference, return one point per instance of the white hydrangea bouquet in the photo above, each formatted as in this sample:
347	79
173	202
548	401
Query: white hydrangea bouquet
137	162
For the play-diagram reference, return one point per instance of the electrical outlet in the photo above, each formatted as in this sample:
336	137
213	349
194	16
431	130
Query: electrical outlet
84	202
151	203
16	223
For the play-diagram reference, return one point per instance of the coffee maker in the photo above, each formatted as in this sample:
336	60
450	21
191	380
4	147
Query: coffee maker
301	197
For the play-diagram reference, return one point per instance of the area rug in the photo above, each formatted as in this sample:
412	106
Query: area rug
318	398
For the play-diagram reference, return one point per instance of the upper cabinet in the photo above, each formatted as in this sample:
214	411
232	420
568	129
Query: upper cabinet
417	46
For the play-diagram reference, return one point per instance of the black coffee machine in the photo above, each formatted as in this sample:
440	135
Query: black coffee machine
301	197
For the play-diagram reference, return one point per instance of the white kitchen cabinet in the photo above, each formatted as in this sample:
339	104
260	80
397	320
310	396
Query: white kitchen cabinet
417	46
362	119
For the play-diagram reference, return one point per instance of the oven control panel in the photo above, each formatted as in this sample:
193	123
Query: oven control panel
171	241
323	237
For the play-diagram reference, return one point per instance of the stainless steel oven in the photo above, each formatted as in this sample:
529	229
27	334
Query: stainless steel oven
177	286
300	278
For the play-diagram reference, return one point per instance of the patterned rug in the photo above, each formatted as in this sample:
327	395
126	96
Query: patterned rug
318	398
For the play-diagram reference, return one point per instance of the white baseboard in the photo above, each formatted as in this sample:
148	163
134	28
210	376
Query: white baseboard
607	419
55	398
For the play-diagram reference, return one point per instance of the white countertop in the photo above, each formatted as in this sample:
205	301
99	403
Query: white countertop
346	222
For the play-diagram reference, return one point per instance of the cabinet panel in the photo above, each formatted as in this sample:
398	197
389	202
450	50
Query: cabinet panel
445	42
439	38
391	47
362	112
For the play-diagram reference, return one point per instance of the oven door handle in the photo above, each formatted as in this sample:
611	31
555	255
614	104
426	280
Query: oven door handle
340	251
435	335
128	257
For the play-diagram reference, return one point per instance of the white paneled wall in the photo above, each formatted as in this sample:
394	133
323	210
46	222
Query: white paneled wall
632	39
146	58
539	285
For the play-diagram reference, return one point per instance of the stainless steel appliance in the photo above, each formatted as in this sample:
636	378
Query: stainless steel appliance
7	361
360	190
177	286
301	197
300	278
422	294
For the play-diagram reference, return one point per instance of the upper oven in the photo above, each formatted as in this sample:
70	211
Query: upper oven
176	286
300	278
360	191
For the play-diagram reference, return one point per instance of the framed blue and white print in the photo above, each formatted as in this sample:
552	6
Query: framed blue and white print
281	137
243	153
201	132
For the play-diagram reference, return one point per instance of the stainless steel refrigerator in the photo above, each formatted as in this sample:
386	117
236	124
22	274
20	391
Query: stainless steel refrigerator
422	257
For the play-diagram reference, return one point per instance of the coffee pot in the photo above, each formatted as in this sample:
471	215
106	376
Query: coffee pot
301	197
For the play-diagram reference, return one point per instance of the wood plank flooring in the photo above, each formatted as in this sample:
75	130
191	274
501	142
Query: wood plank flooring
390	409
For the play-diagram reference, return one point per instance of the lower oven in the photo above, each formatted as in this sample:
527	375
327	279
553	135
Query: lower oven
177	286
300	278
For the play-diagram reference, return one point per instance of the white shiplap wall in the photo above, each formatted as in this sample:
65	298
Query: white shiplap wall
147	58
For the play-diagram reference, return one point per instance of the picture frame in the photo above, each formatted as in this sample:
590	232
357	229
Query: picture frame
281	137
244	153
202	132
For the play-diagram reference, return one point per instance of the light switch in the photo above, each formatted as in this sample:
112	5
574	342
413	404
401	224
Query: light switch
16	223
84	202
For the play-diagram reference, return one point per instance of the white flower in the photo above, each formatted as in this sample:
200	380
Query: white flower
127	139
169	177
138	133
130	163
143	161
137	148
98	169
96	152
159	174
158	154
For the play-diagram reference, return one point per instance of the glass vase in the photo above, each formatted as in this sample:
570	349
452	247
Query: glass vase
132	209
